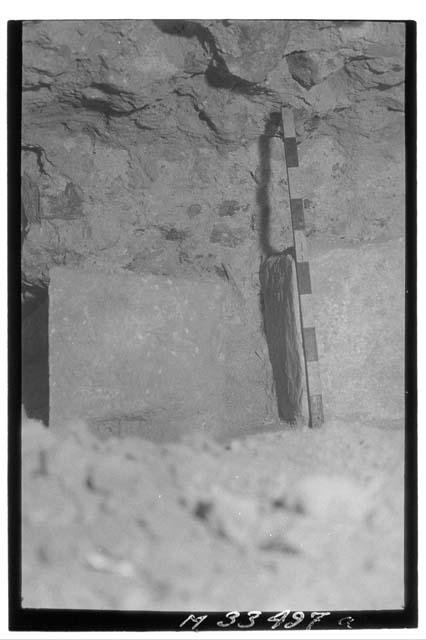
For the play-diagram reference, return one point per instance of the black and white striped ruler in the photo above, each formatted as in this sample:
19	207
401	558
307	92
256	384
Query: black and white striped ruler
307	320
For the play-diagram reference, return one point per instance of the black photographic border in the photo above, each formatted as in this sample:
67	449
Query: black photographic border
23	619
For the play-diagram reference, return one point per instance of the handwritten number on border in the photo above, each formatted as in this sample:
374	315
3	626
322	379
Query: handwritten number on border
194	619
278	618
298	617
252	616
316	617
346	622
232	616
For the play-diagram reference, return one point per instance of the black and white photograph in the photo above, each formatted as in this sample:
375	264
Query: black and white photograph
215	413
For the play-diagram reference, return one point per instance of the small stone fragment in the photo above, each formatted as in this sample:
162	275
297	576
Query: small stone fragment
228	237
193	210
330	498
229	208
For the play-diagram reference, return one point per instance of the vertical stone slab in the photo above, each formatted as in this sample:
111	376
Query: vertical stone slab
133	348
361	335
283	335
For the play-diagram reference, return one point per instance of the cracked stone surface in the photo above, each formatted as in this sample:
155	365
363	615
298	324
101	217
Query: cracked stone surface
140	133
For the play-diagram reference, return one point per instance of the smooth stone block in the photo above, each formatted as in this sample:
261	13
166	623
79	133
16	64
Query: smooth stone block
131	349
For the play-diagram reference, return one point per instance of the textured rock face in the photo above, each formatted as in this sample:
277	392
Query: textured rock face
139	134
156	145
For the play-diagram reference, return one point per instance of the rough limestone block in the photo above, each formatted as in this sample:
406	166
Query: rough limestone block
133	350
283	333
360	328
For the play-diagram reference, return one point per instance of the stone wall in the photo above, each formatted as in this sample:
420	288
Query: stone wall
156	145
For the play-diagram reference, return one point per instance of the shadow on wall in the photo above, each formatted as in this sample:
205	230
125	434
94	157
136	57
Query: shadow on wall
277	301
273	128
217	73
218	76
35	318
35	353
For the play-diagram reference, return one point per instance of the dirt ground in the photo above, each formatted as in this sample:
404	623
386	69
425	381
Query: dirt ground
279	519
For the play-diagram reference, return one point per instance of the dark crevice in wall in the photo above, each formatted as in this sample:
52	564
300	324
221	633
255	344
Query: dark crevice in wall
217	73
110	90
35	352
107	110
34	313
382	86
40	155
202	115
37	87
